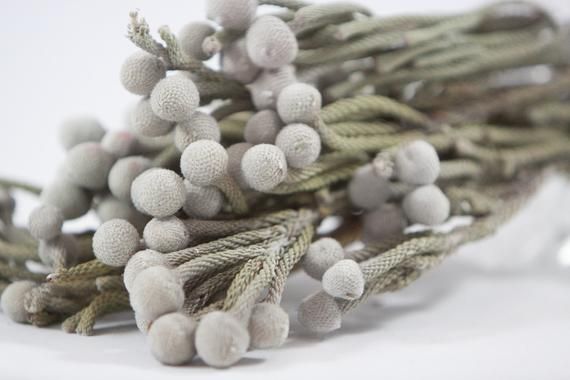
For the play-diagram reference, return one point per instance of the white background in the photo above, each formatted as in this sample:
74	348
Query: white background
500	309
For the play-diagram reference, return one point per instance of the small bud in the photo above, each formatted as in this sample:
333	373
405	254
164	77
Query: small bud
45	222
192	36
368	190
166	235
321	255
417	163
232	14
300	143
80	129
141	71
156	291
320	313
204	162
200	127
264	166
268	326
158	192
299	103
262	128
12	301
426	205
221	340
175	98
171	339
123	173
344	280
271	43
141	261
87	165
115	242
202	202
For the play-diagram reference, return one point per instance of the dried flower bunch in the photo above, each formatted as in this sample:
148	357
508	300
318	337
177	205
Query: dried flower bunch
214	192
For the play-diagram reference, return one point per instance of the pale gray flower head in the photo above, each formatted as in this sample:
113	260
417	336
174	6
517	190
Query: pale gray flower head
426	205
300	143
232	14
221	340
271	43
204	162
158	192
264	166
115	241
141	71
175	98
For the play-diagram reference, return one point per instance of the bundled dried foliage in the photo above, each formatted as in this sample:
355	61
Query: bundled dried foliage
213	194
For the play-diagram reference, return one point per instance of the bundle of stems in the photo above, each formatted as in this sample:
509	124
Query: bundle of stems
488	90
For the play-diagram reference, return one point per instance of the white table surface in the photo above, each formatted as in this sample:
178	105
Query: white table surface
499	309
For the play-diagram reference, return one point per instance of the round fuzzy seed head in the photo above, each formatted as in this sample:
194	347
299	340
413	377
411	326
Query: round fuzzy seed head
268	85
202	202
426	205
232	14
69	198
344	280
192	36
12	300
45	222
262	128
299	103
141	72
263	167
271	43
80	129
144	122
204	162
88	165
300	143
158	192
119	143
368	190
417	163
320	313
166	235
268	326
63	249
221	340
109	208
236	63
321	255
175	98
141	261
171	339
235	155
156	291
388	220
123	173
200	127
115	242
